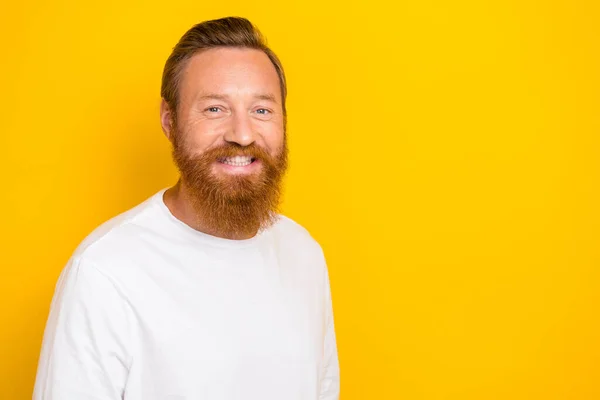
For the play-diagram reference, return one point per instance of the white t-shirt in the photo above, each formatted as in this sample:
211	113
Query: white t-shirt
149	308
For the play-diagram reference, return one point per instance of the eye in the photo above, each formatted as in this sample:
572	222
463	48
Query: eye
215	111
263	113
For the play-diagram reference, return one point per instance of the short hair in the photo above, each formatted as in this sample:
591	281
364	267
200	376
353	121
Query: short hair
224	32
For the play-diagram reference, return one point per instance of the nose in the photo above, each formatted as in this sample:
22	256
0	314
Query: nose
241	130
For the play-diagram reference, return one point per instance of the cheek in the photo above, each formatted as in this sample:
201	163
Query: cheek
274	138
201	136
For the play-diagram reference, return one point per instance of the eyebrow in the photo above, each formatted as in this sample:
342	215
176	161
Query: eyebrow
267	97
216	96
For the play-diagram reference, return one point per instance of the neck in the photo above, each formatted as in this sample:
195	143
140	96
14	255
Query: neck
179	201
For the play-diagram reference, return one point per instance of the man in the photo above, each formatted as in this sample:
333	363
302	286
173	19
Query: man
202	291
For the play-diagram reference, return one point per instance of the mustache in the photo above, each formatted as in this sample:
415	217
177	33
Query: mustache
232	149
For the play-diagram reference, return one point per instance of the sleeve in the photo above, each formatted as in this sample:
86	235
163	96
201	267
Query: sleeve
330	375
86	342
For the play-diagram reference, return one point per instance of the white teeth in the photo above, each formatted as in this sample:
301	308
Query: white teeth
237	161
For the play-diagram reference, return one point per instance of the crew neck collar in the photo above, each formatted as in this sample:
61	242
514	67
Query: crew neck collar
158	199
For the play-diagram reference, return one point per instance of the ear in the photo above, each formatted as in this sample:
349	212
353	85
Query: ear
166	119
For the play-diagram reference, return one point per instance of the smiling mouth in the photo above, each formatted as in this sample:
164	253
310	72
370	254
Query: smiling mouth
237	161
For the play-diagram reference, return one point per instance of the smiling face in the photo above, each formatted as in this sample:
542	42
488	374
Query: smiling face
231	96
228	137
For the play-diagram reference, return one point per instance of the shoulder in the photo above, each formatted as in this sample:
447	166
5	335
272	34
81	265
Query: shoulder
292	230
291	234
118	237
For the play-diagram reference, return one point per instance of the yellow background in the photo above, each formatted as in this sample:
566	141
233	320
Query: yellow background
444	153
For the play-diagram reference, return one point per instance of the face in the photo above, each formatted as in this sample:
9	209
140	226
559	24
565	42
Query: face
228	137
230	96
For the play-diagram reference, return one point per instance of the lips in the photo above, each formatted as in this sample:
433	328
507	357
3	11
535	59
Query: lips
237	161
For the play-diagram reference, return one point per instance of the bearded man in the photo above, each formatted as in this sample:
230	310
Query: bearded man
203	291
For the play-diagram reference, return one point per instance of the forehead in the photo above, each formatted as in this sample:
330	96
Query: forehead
230	72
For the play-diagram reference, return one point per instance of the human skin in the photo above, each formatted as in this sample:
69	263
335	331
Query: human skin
226	95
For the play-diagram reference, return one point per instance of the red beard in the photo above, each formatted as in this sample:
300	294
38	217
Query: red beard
236	204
